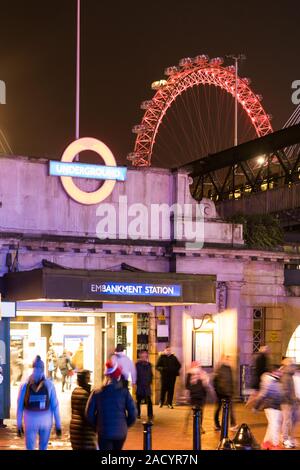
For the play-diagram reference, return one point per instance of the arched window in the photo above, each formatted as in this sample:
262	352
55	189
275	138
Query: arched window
293	349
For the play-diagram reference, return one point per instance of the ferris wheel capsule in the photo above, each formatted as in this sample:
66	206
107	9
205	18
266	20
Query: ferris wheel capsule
171	70
158	84
146	104
216	61
185	62
230	68
247	80
201	59
259	97
132	156
138	128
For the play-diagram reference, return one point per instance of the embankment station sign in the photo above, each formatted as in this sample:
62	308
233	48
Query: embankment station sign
136	289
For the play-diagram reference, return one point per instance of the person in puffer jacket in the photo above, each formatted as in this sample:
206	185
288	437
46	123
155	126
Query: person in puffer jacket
270	399
112	410
82	434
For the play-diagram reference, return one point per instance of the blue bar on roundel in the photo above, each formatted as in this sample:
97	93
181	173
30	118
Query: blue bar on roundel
87	170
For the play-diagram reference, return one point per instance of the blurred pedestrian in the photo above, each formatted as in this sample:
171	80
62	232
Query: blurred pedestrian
260	365
78	357
289	405
82	434
51	363
169	367
144	376
269	399
38	403
224	388
111	410
126	365
70	373
64	365
296	414
197	383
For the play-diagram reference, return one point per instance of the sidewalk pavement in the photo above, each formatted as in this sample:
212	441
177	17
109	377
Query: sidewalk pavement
170	430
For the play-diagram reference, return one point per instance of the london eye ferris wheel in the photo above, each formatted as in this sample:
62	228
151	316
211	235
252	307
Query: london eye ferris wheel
191	114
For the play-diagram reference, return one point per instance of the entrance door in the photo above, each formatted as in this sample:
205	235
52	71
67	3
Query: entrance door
125	333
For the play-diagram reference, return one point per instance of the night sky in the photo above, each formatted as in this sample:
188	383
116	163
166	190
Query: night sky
125	47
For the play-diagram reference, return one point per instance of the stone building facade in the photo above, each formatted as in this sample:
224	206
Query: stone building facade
40	226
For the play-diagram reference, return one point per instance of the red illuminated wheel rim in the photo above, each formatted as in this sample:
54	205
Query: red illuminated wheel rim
214	78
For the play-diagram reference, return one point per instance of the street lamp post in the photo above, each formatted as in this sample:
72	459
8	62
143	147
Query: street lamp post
77	132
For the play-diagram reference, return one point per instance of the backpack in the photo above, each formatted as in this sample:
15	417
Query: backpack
36	398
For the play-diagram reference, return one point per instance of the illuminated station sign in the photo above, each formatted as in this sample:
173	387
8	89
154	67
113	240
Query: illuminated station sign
136	289
67	169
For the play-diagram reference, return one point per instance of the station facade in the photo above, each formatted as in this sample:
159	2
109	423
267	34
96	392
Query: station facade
128	270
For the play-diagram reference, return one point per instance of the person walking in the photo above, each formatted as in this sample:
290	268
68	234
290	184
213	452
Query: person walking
169	367
82	434
38	404
70	373
269	399
224	388
51	363
111	410
197	383
78	357
126	365
260	365
144	377
289	404
64	365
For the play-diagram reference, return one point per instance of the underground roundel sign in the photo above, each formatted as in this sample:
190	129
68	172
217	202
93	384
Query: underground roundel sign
67	169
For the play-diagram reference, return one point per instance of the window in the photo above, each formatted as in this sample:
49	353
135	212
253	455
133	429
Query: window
203	348
293	349
258	328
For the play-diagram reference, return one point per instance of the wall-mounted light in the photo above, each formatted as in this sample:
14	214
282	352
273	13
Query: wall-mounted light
209	321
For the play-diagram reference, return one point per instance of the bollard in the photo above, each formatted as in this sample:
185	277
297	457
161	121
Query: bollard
225	443
197	419
244	439
147	435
